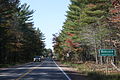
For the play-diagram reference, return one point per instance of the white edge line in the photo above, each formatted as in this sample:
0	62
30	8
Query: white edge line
62	71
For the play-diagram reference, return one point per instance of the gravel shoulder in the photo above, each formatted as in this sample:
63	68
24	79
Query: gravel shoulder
72	72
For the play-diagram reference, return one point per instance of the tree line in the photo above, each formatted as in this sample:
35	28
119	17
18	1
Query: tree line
19	40
90	25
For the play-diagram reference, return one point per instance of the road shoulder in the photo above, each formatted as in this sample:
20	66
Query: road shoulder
72	72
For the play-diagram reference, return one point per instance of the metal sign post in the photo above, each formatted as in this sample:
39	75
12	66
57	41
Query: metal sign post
107	53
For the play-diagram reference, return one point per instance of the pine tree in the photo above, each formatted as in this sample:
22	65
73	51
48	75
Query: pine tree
85	28
19	40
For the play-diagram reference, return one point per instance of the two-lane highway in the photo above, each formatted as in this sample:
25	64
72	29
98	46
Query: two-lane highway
45	70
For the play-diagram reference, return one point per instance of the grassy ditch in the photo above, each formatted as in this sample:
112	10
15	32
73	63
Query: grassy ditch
93	75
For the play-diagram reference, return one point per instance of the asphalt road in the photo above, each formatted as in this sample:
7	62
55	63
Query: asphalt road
45	70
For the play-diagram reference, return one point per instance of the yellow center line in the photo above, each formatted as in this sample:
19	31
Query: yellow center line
27	73
24	74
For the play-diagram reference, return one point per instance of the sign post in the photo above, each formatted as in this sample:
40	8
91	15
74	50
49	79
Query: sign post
107	52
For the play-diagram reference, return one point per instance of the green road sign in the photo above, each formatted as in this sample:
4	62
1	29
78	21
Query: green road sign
107	52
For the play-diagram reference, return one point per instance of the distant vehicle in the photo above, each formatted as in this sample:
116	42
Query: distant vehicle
37	58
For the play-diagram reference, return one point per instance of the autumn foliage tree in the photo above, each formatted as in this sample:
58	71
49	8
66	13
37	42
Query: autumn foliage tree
19	40
90	25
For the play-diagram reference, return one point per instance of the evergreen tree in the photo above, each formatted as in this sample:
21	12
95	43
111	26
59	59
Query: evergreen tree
85	30
19	40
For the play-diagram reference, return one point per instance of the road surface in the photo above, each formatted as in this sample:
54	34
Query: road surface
45	70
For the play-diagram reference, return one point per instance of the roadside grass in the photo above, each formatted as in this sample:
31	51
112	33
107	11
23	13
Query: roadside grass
93	75
103	76
6	65
12	64
78	67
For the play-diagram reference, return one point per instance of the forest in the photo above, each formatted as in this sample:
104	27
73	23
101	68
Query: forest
19	40
90	25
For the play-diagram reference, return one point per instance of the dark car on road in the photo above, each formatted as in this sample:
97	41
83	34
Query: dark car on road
37	58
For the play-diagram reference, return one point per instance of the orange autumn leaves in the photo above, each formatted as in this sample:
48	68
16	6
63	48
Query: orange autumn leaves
69	42
115	11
